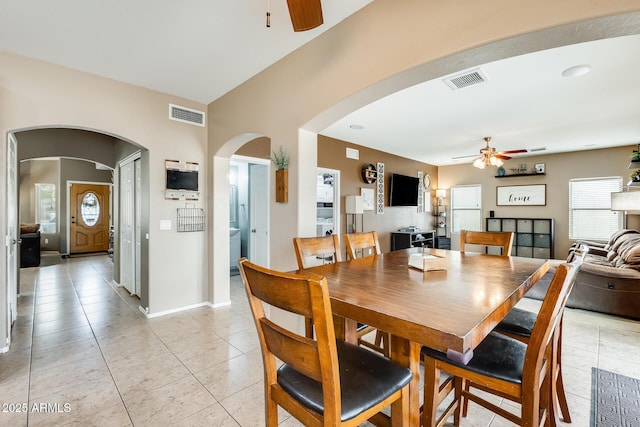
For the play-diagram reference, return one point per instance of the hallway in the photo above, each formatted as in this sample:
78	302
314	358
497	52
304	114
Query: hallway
83	354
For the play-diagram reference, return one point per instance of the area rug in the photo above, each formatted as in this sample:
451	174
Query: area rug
615	400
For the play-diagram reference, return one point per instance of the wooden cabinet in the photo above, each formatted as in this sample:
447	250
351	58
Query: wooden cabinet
533	236
411	239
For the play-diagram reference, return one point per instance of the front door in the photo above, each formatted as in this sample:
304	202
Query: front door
89	208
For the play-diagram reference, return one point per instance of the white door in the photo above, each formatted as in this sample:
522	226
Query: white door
12	232
138	224
127	226
259	214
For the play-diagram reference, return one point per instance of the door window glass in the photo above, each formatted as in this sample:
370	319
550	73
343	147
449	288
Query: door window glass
90	209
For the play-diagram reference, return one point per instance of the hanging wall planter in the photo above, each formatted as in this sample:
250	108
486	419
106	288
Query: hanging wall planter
281	160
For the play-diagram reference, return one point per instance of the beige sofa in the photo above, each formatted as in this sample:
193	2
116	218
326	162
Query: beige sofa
609	279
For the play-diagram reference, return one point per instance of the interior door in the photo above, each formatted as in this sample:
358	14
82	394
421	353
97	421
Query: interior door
127	226
89	209
259	214
12	232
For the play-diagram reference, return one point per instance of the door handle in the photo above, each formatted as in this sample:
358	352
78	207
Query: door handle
253	230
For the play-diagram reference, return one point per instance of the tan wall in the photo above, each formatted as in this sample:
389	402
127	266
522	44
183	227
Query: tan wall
559	168
36	94
331	155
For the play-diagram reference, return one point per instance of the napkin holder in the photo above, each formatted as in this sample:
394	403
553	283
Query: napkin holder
427	262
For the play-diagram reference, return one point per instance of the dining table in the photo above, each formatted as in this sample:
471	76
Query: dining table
450	309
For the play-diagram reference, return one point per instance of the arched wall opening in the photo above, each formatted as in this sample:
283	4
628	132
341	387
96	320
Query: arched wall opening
94	146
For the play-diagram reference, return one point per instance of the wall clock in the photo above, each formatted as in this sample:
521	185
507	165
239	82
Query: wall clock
369	173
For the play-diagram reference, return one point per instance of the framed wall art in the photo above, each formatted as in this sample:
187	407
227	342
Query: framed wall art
522	195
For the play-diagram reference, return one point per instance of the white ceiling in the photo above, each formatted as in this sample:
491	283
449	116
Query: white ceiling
526	103
202	49
196	49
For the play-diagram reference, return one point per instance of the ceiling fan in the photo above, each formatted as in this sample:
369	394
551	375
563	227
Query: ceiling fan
490	157
305	14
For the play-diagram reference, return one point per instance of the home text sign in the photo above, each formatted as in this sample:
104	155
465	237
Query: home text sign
522	195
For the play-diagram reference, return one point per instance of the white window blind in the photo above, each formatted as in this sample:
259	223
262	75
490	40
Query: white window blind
46	207
590	214
466	208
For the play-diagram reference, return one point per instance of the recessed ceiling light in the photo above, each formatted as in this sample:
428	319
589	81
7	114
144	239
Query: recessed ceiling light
577	70
356	127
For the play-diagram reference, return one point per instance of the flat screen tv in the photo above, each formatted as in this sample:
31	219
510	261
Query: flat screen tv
182	180
403	190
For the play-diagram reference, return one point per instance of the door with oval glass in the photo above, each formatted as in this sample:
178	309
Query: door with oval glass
89	225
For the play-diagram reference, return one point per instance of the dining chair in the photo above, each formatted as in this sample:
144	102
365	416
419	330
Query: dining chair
504	366
367	243
308	251
519	323
321	381
503	239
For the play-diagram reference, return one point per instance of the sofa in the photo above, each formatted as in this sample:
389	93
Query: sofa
609	279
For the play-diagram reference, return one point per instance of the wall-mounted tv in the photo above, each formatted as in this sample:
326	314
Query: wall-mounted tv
403	190
182	180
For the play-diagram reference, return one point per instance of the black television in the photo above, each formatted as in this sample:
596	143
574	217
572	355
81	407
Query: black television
182	180
403	190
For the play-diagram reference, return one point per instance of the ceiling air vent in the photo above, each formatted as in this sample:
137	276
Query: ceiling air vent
466	79
533	150
186	115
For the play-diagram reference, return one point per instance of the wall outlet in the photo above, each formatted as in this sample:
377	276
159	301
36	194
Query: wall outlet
46	241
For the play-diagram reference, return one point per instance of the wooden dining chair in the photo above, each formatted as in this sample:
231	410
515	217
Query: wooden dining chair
308	251
502	239
519	323
504	366
367	244
322	381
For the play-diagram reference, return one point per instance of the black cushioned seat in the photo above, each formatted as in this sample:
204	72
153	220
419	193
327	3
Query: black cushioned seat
497	356
366	378
518	322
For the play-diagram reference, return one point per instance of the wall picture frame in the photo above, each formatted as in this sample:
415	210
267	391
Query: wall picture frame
522	195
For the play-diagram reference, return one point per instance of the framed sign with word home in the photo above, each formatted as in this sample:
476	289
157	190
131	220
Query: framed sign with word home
522	195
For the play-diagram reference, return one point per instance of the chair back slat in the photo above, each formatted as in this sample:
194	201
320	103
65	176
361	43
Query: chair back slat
362	241
503	239
307	247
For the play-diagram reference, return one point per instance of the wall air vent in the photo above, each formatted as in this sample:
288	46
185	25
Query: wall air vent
533	150
466	79
186	115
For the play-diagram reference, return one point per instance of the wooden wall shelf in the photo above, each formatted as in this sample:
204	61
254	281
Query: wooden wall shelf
519	174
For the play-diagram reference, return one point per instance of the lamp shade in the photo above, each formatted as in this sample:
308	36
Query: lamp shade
628	201
440	193
353	205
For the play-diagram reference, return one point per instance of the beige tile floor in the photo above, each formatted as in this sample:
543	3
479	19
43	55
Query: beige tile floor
83	354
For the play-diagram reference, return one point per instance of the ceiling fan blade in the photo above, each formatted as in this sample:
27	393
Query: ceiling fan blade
513	151
501	156
464	157
305	14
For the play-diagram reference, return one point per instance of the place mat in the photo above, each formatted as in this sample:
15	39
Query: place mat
615	400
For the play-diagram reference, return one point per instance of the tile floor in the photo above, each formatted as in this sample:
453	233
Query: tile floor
83	354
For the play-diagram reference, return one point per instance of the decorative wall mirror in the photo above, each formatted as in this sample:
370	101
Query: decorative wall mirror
369	173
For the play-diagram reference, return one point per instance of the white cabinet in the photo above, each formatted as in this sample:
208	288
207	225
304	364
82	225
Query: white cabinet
325	193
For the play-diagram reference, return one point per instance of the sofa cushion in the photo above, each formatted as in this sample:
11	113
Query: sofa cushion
615	236
629	253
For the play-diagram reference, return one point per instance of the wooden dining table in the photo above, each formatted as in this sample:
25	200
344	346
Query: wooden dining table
450	309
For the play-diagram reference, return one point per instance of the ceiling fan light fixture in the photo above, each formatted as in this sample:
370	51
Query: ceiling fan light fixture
479	163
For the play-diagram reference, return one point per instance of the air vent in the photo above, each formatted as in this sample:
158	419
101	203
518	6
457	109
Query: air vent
466	79
186	115
533	150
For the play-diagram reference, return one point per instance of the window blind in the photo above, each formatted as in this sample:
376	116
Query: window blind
590	214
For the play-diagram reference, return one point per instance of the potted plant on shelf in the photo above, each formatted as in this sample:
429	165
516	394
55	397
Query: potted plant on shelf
281	160
635	176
